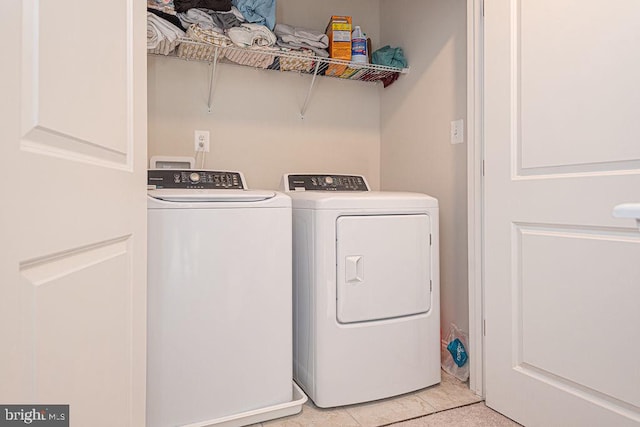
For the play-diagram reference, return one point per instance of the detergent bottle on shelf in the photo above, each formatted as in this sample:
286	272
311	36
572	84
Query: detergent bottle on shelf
358	46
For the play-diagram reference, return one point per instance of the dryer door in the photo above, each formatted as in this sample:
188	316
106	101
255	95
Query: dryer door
383	266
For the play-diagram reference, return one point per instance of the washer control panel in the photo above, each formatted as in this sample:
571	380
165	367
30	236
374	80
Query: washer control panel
195	179
319	182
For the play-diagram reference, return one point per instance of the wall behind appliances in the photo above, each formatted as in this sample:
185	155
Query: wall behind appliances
255	124
416	153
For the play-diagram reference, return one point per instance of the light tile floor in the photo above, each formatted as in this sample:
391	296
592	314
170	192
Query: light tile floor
475	415
432	406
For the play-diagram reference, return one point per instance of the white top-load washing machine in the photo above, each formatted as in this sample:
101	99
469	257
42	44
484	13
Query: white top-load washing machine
219	297
366	289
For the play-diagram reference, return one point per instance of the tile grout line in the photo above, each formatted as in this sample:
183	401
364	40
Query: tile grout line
353	418
433	413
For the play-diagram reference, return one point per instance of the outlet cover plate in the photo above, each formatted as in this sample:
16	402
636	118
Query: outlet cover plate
201	140
457	131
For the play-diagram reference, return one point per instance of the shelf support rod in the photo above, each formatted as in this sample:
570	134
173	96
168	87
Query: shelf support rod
308	98
213	75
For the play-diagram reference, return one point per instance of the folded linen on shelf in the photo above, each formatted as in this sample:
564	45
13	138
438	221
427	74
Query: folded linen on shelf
166	16
258	11
162	36
211	19
301	46
290	34
197	33
296	37
165	6
248	35
197	16
389	56
297	61
208	43
199	52
218	5
251	57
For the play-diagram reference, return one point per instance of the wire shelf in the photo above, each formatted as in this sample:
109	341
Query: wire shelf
269	58
285	60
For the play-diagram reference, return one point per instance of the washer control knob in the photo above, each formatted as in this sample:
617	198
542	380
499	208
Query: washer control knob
328	180
194	177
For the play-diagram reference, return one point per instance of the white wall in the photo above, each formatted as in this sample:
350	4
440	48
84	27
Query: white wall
255	125
416	153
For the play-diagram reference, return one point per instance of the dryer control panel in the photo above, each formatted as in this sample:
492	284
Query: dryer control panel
321	182
195	179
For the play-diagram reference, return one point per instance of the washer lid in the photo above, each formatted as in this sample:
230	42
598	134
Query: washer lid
181	195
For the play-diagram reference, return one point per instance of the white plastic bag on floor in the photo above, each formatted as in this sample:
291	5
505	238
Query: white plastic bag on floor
455	358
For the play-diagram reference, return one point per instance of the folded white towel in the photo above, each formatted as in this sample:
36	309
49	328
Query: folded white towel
298	35
249	35
154	36
303	46
162	36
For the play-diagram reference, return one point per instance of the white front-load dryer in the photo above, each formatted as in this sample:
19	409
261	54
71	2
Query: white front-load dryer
366	289
219	298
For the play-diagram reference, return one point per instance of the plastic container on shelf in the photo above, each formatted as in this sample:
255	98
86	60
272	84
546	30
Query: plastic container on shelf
359	46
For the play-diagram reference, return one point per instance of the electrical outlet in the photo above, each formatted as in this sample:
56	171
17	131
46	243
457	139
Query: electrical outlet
201	140
457	131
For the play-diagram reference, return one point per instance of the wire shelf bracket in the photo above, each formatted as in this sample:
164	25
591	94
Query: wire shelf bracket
212	78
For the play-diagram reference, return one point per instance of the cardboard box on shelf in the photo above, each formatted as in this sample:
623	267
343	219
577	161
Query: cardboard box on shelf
339	33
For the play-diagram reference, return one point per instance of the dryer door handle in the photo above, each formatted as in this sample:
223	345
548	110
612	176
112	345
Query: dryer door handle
354	269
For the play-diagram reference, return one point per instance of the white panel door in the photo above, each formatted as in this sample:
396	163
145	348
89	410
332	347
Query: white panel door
383	266
73	210
562	148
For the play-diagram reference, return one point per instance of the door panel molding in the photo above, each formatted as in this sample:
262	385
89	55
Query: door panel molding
46	268
565	100
55	144
579	170
96	133
566	313
585	393
81	302
623	156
